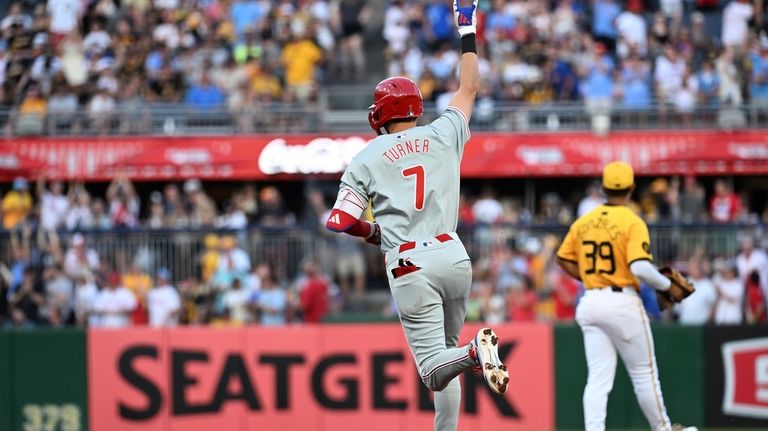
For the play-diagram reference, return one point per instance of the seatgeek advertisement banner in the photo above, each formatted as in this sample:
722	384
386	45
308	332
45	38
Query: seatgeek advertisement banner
295	156
308	377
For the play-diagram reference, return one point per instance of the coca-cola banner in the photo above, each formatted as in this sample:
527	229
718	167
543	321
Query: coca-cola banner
297	155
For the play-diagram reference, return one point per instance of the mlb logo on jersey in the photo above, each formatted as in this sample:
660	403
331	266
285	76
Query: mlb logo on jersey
746	378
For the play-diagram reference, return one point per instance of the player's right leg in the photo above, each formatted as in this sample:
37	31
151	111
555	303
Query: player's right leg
420	306
601	366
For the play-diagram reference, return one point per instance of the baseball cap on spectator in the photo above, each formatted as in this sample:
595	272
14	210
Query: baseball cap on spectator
20	183
192	185
618	175
78	240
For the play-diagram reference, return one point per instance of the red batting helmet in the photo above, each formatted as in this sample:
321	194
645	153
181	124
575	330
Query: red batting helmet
395	98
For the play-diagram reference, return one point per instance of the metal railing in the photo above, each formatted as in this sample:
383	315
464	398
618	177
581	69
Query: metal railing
157	119
285	249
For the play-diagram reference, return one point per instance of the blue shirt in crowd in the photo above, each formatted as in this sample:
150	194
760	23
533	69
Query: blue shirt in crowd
273	299
440	18
598	85
637	89
208	96
759	70
245	14
604	14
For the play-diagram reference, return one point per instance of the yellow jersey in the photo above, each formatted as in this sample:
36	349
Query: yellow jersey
16	206
603	243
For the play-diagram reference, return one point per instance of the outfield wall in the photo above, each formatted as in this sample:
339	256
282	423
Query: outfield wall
348	376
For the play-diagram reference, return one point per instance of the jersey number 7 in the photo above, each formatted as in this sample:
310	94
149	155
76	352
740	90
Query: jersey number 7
421	179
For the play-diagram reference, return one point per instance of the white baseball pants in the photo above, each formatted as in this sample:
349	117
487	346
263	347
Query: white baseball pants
616	321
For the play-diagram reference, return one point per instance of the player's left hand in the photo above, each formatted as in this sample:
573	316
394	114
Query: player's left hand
680	289
375	238
465	17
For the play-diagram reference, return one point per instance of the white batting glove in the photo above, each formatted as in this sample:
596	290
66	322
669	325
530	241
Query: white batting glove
465	17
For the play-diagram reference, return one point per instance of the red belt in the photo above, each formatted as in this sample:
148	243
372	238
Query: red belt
443	237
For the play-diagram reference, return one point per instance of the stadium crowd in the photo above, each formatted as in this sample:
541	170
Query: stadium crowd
105	57
56	272
604	52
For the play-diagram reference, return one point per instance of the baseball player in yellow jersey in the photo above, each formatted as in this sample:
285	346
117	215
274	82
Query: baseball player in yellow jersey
608	249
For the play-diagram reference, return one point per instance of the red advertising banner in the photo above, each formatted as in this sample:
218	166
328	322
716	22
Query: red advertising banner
495	155
746	378
309	378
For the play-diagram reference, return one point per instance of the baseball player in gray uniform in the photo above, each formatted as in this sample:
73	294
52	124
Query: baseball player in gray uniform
410	176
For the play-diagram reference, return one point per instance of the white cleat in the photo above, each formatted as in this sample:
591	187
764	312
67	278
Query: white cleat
494	372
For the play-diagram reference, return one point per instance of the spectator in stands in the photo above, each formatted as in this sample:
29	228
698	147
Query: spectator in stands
604	14
173	206
167	86
592	200
209	259
633	31
635	84
139	283
60	295
17	204
755	312
97	40
522	302
725	206
233	258
80	261
752	259
163	301
232	218
271	301
156	218
27	300
64	16
79	215
758	89
114	304
200	208
692	203
54	204
15	16
301	57
730	289
487	209
101	220
709	85
352	16
62	110
735	27
32	112
123	201
313	293
684	99
729	79
271	210
698	308
597	88
101	110
235	301
205	95
669	74
86	292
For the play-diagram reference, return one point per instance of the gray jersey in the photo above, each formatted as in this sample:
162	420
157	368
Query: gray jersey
412	179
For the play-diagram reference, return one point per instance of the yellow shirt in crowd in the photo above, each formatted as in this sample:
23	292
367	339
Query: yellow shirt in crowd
300	58
16	207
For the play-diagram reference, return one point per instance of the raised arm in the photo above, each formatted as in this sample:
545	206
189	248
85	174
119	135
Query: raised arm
466	23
